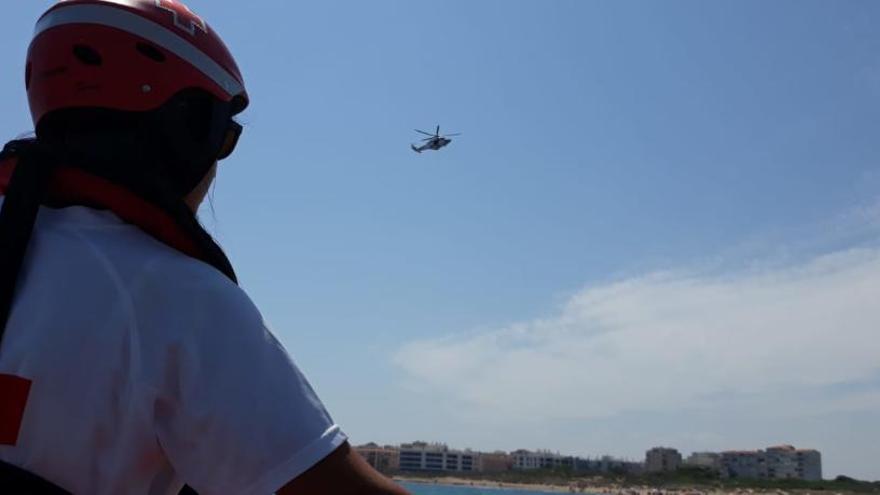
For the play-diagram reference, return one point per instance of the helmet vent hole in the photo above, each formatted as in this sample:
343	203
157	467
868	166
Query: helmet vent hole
151	52
87	55
27	75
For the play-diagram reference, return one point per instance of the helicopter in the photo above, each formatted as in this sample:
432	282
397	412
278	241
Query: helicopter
434	142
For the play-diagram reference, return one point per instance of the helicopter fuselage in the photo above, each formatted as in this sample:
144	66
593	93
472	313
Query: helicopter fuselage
434	141
434	144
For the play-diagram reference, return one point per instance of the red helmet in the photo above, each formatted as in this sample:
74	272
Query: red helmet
130	55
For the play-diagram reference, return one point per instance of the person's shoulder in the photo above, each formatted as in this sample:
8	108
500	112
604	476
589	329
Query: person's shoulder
141	262
163	283
179	277
124	245
182	303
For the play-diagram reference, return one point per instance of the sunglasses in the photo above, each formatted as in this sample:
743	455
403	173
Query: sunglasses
233	133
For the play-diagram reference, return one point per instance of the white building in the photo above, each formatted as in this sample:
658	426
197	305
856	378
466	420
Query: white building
747	464
542	459
384	459
662	459
608	465
775	463
421	456
809	464
495	462
787	462
708	460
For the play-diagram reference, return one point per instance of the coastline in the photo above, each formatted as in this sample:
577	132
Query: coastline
452	481
591	486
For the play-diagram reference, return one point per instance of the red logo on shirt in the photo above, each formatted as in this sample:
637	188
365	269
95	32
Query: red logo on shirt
184	18
14	391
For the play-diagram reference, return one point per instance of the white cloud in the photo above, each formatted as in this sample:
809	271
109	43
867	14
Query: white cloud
672	341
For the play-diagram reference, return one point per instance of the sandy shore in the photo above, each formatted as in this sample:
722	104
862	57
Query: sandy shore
592	487
486	484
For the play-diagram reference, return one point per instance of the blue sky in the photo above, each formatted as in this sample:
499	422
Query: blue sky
678	200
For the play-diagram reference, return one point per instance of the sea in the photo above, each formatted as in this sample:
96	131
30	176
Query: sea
426	489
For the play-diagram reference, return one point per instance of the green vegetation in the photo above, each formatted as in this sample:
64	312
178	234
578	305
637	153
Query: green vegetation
691	477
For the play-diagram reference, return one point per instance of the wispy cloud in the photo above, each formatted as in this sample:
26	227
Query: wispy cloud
777	340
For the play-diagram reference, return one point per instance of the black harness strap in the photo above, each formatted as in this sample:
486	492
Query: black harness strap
21	204
17	481
20	207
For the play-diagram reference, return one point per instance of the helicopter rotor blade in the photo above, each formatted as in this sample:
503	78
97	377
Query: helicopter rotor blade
453	134
425	133
429	139
438	131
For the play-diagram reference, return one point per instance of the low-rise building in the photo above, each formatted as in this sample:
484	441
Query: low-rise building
422	456
608	465
495	462
383	459
707	460
541	459
787	462
743	464
809	464
778	463
662	459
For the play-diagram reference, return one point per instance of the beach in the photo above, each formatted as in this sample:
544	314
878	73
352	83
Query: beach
460	482
591	486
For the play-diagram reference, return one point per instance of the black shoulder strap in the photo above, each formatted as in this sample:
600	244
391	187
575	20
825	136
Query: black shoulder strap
20	482
21	204
17	481
20	208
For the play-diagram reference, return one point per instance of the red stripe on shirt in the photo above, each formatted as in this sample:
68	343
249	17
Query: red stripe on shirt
14	393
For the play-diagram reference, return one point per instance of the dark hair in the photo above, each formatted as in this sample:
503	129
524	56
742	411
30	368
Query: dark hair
159	156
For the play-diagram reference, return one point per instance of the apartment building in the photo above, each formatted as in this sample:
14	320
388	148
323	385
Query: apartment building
383	459
809	464
708	460
662	459
743	464
608	465
495	462
422	456
787	462
542	459
778	463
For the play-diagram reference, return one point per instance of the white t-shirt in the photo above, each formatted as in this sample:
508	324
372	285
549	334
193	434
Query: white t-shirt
149	370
